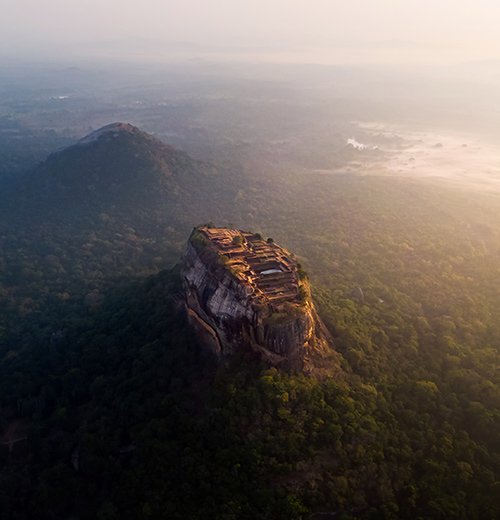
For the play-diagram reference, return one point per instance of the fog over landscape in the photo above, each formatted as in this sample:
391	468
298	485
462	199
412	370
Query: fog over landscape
250	260
393	121
430	67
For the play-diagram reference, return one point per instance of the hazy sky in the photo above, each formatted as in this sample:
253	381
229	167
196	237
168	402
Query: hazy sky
353	30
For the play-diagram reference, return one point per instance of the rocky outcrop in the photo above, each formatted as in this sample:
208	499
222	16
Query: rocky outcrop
243	292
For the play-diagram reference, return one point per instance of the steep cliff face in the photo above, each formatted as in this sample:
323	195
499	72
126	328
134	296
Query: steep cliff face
246	293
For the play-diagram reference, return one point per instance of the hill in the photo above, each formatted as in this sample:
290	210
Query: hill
117	169
118	195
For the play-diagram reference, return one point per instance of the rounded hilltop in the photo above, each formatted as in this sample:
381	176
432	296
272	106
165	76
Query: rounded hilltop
244	292
113	128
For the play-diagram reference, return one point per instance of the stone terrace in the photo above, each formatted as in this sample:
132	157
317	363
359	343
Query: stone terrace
266	269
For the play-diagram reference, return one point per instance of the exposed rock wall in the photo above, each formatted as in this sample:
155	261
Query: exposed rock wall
227	318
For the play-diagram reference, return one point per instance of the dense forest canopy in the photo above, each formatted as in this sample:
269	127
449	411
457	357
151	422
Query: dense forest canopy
111	409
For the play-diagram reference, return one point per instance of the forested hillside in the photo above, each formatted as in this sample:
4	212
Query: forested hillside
110	409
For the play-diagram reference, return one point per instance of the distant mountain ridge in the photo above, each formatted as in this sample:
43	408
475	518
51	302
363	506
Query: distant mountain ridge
113	130
121	158
121	168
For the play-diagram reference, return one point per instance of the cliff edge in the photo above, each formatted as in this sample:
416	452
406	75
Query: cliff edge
244	292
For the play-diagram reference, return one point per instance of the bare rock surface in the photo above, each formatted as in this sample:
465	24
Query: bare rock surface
243	292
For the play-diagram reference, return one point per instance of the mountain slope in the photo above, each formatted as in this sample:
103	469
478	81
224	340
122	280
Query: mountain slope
120	196
117	168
